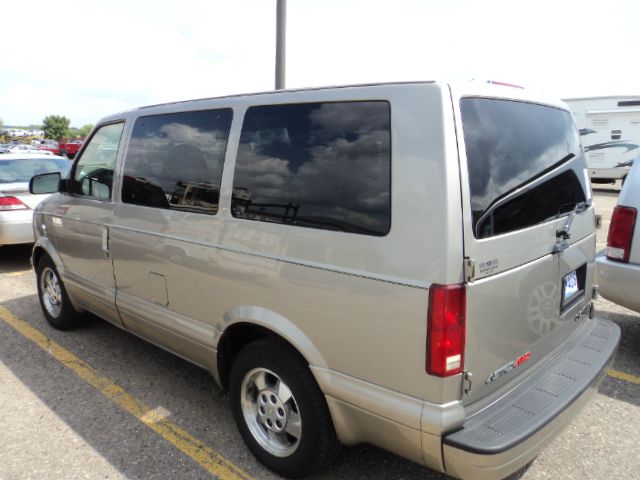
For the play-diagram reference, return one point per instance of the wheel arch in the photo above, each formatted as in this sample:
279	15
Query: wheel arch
43	246
246	324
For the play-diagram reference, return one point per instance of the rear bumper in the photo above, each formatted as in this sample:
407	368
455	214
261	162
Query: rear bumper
619	282
16	227
504	437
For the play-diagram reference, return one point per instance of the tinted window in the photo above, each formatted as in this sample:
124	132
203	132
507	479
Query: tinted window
509	146
93	174
547	200
318	165
175	161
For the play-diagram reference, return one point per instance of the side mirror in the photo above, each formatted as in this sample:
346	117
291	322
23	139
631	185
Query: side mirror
45	183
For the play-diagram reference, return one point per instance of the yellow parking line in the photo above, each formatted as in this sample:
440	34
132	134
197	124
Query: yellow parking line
627	377
207	457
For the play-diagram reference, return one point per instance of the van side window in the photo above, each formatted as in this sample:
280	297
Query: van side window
316	165
93	172
174	161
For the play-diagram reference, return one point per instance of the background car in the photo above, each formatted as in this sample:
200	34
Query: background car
71	147
16	203
618	267
50	146
21	148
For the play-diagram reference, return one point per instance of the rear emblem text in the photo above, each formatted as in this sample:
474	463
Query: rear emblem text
508	367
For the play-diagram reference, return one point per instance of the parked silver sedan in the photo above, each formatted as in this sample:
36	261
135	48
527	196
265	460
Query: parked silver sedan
21	148
16	203
618	267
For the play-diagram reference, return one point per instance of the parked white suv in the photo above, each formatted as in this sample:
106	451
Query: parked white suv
618	267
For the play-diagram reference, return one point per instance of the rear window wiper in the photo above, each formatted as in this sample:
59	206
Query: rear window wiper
519	190
529	181
563	232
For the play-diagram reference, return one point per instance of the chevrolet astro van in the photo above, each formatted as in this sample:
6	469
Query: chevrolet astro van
409	265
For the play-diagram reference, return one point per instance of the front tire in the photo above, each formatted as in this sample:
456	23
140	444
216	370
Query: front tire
53	297
280	411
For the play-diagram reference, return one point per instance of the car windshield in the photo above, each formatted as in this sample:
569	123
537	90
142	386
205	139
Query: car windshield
21	170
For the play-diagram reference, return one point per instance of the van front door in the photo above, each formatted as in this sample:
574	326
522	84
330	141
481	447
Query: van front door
82	220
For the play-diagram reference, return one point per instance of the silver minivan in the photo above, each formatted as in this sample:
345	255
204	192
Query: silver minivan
408	265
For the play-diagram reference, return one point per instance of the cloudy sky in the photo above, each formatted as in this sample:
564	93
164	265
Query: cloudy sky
90	58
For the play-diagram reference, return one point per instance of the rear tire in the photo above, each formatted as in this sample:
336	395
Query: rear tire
280	411
54	301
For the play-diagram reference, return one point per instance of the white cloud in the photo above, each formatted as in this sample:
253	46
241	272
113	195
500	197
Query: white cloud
92	58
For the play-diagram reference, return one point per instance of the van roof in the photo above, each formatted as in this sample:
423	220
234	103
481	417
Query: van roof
292	90
478	88
124	113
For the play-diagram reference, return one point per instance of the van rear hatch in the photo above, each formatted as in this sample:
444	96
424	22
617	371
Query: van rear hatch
528	237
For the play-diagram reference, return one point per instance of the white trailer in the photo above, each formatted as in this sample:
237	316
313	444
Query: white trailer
610	129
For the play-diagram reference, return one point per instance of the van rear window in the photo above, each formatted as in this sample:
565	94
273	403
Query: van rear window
525	164
316	165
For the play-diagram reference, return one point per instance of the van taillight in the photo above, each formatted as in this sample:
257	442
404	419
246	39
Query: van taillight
620	235
446	322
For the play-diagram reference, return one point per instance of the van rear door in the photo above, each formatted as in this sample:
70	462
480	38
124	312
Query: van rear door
528	232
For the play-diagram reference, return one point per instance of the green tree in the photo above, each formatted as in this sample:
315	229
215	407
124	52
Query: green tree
85	130
1	123
55	126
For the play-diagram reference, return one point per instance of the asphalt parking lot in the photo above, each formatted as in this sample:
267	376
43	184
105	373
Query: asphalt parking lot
98	403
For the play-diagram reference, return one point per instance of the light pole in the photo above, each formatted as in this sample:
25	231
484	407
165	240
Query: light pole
281	43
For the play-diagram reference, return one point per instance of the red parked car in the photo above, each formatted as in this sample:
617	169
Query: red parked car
67	147
70	147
